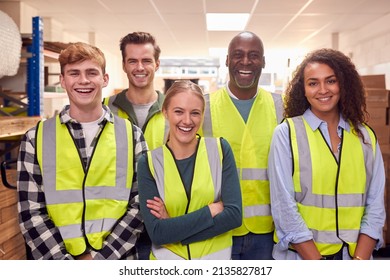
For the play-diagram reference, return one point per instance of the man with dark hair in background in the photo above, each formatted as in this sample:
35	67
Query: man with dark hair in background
140	102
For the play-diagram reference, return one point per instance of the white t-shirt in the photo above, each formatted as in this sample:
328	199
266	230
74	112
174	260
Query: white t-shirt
90	130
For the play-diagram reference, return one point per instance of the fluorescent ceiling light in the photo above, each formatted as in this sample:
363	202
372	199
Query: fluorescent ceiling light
226	22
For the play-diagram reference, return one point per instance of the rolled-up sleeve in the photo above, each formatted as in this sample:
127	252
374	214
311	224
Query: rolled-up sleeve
374	215
289	224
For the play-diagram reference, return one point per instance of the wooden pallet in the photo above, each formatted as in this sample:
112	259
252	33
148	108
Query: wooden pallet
11	131
12	245
16	125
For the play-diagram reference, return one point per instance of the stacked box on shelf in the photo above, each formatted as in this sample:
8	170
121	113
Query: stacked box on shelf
377	100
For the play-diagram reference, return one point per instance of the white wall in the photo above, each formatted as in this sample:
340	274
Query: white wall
369	48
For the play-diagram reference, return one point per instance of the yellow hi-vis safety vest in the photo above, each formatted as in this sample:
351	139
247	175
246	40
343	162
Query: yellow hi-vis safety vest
250	143
156	129
85	204
205	189
331	194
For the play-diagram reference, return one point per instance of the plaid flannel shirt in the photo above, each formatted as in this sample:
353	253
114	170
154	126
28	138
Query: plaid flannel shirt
40	233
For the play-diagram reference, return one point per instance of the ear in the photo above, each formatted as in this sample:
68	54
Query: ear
106	78
157	64
263	61
226	62
62	81
165	113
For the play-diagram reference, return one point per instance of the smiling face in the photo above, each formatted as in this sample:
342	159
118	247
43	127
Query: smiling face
245	61
83	82
140	65
322	89
184	113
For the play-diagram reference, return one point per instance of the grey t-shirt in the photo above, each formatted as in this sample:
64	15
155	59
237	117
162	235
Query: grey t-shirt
141	112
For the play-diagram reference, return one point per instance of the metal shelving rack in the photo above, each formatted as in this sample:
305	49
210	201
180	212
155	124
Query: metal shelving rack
35	70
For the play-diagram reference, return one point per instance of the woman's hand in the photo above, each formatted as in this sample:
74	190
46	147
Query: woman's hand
157	208
216	208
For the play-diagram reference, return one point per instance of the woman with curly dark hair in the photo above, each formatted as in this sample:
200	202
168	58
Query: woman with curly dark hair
351	105
325	166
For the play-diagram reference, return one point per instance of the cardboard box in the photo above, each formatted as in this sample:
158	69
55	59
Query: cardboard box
378	115
386	229
382	133
377	97
374	81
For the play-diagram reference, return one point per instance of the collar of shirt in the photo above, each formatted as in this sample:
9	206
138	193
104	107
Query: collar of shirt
65	116
232	95
315	122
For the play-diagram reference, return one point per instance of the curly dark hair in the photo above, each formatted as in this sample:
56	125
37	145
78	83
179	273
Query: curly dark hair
352	104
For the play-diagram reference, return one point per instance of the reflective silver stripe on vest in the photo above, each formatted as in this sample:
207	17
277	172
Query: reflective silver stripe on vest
166	131
113	108
304	161
368	156
72	196
162	253
214	163
207	124
343	200
278	101
253	174
49	161
329	236
158	164
122	152
328	201
74	231
257	210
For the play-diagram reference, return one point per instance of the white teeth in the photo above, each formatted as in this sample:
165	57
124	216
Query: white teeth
245	72
84	90
324	98
140	75
186	129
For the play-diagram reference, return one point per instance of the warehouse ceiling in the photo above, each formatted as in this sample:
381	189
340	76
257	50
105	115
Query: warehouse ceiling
180	25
